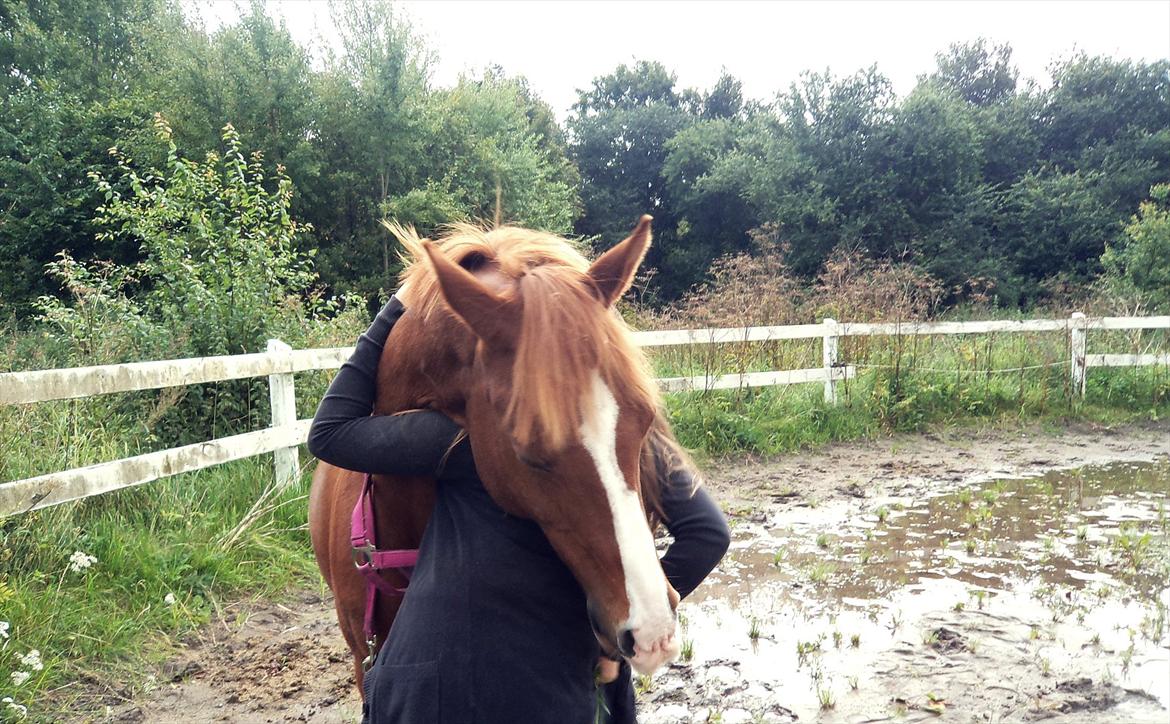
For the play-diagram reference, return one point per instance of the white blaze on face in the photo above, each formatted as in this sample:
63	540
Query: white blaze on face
651	619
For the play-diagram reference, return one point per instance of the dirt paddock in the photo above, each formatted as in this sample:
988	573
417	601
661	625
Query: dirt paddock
978	576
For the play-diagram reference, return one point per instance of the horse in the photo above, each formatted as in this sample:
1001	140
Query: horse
512	334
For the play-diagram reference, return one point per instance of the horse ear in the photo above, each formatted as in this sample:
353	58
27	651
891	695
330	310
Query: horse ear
486	313
613	272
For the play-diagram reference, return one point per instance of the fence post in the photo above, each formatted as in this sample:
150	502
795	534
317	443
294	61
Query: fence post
284	412
829	359
1078	326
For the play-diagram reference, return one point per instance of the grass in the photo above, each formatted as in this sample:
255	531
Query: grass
804	649
819	570
825	697
754	629
163	558
905	384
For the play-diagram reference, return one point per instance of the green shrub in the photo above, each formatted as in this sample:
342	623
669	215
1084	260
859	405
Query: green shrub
221	273
1139	265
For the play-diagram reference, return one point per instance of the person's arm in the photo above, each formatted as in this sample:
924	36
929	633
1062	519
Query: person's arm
699	529
344	433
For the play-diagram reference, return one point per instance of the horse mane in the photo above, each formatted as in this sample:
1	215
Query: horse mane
565	333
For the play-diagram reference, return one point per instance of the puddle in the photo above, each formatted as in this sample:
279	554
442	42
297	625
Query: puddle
1011	599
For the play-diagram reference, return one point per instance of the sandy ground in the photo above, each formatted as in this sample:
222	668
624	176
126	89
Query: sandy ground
911	463
287	662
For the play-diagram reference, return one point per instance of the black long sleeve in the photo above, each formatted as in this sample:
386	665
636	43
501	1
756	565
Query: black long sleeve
344	433
700	533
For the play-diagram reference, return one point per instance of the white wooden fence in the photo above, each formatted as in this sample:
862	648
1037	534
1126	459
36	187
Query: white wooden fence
280	363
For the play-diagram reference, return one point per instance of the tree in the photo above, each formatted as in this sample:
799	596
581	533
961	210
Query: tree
1098	100
1052	223
706	172
827	178
372	141
619	131
92	49
1111	118
725	99
1139	263
72	76
483	139
936	148
251	74
48	141
978	72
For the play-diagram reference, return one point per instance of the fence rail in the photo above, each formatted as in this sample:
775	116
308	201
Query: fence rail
77	382
279	363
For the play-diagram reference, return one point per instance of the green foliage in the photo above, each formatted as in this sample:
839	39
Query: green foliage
166	555
219	253
979	74
371	142
620	129
1139	264
485	138
220	273
1053	222
994	186
49	139
90	47
966	175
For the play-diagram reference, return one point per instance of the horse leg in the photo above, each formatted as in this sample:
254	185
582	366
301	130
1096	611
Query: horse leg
331	499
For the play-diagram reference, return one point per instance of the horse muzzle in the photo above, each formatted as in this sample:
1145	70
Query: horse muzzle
647	648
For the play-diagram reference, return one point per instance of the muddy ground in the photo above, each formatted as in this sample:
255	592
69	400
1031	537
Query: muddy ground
898	579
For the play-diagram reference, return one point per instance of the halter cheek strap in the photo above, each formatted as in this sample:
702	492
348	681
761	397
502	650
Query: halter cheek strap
370	561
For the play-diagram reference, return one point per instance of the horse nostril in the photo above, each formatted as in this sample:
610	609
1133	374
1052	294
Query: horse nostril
626	642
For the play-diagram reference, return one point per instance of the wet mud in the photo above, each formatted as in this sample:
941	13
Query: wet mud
981	577
1013	599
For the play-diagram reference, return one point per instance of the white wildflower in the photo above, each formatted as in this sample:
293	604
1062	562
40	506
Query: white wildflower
169	599
79	561
19	677
32	659
21	711
4	626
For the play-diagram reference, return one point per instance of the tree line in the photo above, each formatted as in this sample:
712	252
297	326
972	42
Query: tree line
997	187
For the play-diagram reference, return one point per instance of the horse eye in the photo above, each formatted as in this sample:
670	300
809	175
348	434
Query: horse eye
535	463
473	261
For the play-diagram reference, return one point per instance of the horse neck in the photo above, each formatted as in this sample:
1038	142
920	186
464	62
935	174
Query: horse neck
422	367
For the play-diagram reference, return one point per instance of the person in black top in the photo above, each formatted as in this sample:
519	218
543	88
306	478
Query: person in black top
493	627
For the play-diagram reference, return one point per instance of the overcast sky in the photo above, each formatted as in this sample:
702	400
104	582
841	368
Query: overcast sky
561	46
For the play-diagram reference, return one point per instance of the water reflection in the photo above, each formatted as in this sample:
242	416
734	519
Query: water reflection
1068	572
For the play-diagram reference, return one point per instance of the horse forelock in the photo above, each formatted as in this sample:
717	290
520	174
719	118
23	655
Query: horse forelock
565	332
567	335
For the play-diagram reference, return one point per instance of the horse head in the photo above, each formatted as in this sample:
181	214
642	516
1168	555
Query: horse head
557	401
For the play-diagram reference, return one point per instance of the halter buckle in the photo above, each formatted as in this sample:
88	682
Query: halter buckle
362	555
